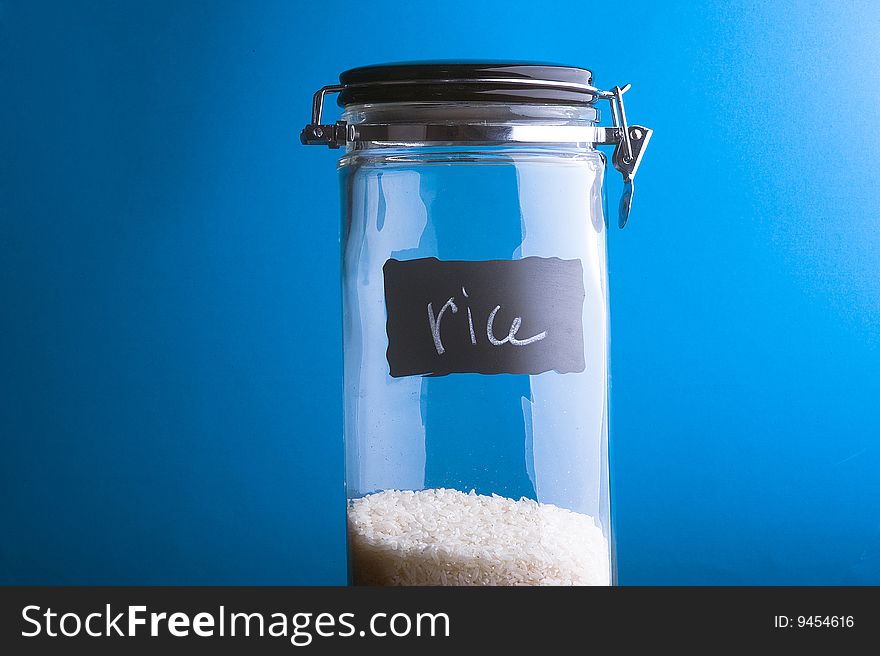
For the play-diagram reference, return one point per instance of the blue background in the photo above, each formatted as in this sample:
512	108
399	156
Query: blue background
170	416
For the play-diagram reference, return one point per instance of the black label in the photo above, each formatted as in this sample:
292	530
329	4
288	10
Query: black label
498	316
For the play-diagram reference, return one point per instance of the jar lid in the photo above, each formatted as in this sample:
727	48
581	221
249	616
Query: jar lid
506	82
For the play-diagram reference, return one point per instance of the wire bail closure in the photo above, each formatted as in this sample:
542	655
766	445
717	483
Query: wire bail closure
629	141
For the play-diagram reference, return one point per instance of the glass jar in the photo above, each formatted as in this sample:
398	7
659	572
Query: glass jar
475	309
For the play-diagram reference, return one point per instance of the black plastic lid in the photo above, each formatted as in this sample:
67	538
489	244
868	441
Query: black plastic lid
506	82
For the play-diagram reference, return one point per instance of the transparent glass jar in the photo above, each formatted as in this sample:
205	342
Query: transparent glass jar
475	309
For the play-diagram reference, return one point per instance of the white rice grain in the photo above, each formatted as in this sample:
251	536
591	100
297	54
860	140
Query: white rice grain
447	537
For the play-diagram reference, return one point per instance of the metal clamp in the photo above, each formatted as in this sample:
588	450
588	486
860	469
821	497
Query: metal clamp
628	152
629	141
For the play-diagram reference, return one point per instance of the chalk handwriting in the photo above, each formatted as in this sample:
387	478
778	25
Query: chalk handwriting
434	323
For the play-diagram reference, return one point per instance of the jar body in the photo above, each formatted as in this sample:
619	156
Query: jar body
492	471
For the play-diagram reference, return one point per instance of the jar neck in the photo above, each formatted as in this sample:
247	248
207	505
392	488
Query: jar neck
464	113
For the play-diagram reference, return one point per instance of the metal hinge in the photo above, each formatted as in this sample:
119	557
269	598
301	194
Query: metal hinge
317	134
